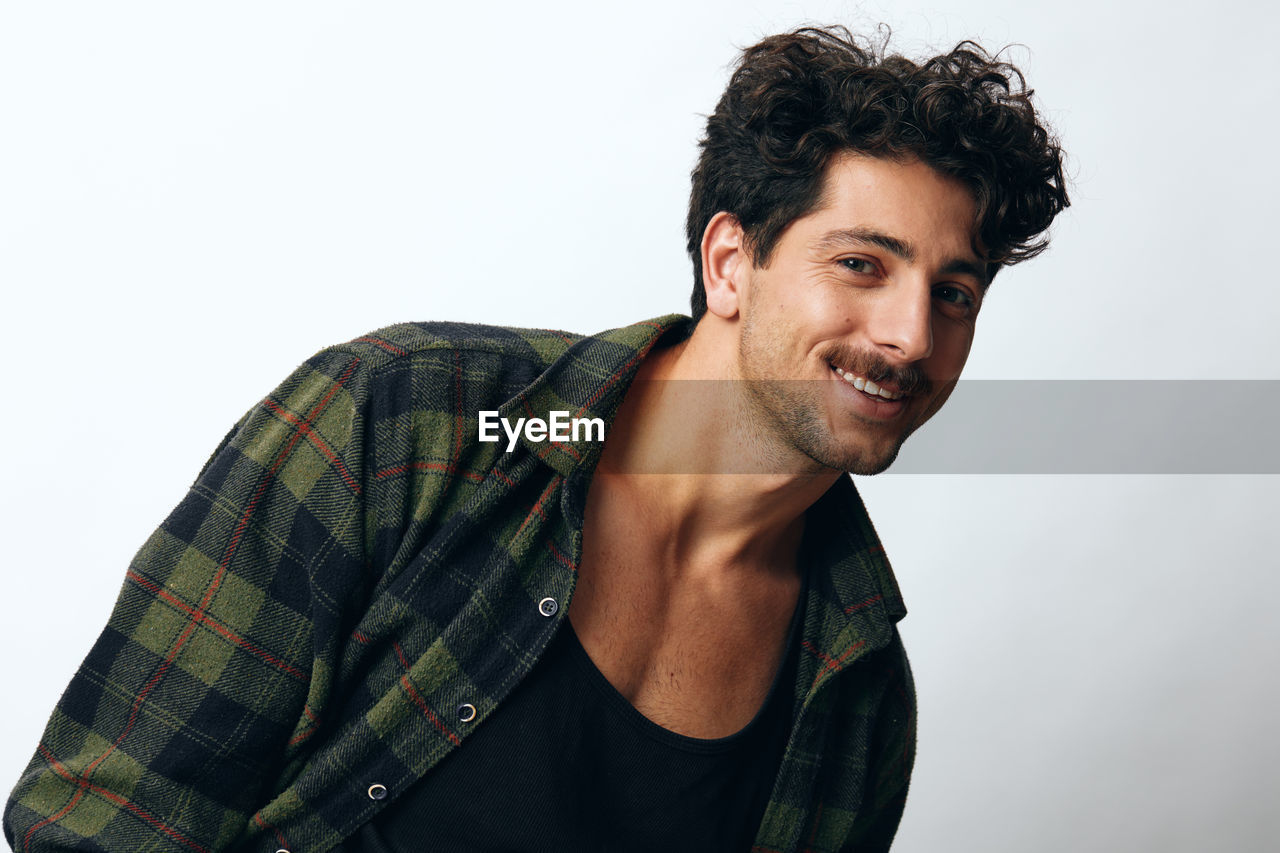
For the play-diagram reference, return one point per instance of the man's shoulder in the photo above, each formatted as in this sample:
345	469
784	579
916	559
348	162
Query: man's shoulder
453	367
485	351
436	339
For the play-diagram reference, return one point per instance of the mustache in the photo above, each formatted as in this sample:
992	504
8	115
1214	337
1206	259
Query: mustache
908	379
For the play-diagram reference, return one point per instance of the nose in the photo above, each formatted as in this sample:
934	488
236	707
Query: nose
902	323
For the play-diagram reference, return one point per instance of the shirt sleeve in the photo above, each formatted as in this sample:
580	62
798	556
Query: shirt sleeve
211	674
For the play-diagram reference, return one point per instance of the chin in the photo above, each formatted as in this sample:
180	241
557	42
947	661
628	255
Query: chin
867	467
864	462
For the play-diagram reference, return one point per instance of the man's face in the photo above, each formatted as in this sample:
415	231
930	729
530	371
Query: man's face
879	285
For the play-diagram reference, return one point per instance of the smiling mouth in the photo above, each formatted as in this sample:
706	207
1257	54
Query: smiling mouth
866	386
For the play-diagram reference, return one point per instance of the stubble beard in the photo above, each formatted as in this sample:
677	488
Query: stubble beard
795	408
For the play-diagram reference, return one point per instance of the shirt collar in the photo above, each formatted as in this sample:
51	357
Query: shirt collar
589	380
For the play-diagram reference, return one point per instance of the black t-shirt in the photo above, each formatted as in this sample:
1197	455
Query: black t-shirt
567	765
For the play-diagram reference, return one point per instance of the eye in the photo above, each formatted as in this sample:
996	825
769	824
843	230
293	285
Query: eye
858	265
954	295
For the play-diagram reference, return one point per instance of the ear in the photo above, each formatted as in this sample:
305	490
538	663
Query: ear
725	265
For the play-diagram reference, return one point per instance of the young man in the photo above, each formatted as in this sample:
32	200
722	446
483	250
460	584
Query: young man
369	627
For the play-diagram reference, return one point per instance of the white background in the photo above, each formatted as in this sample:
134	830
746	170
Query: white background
195	197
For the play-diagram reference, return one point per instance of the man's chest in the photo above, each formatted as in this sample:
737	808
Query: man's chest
695	655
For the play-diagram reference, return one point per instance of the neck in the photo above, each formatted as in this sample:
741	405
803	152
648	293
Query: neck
684	456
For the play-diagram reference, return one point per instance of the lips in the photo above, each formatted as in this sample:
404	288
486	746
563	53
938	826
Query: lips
868	408
866	386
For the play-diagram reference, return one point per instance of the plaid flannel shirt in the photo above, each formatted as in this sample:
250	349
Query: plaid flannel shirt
353	584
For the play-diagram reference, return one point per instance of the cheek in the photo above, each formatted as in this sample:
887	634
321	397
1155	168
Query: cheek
951	345
834	312
813	313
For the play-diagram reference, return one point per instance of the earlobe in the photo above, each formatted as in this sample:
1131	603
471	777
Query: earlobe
724	264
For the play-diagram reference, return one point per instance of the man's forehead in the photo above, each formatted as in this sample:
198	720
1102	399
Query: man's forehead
896	188
904	207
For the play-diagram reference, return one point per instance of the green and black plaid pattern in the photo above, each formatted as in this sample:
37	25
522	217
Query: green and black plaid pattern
354	583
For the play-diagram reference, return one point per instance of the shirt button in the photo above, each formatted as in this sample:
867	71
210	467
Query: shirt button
466	712
548	607
377	792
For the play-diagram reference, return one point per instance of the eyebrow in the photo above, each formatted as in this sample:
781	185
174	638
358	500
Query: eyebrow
861	236
846	237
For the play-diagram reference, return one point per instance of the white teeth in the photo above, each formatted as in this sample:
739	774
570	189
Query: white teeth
867	386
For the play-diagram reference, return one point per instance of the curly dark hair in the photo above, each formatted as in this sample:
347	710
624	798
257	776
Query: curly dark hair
797	99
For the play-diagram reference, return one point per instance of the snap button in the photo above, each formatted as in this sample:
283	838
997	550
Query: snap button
377	792
466	712
282	850
548	606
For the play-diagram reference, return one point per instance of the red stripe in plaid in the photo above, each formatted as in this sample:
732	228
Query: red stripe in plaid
854	608
379	342
213	624
563	560
315	439
613	380
417	697
426	710
280	839
133	808
561	445
309	730
813	833
832	664
537	506
62	812
400	656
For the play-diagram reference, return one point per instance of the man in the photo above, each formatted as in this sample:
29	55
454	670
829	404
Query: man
375	623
